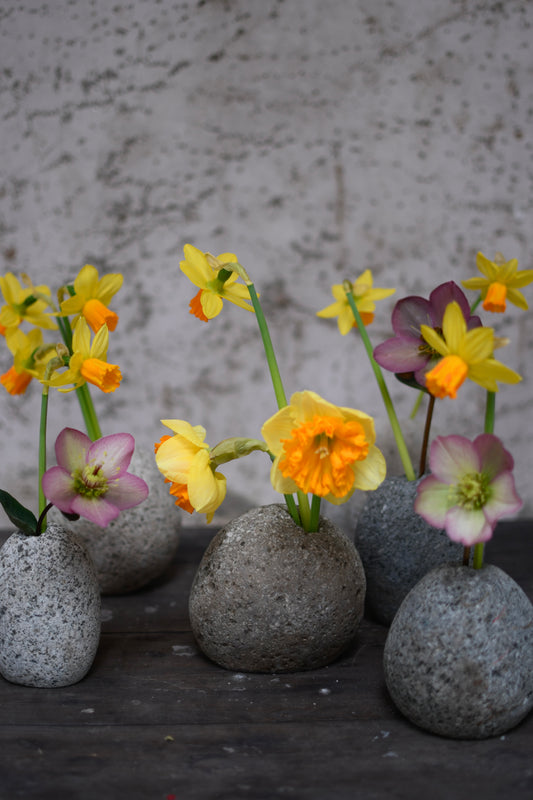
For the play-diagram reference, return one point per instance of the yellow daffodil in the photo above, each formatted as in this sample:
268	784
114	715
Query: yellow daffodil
465	354
323	449
30	358
365	297
24	304
88	361
203	269
91	298
501	282
184	460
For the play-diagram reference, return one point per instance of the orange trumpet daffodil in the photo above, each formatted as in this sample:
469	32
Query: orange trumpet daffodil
91	298
88	361
365	296
24	304
203	270
465	354
501	282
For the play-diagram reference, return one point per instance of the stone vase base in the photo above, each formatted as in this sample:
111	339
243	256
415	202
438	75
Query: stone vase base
458	658
49	609
269	597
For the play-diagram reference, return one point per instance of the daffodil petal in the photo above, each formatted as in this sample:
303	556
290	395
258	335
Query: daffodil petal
86	281
108	286
370	473
195	266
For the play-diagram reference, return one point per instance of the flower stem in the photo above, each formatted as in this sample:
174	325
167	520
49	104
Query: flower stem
490	412
269	348
425	441
42	450
89	414
393	419
315	514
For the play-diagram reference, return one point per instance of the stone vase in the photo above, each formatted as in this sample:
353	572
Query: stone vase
139	545
397	547
49	609
269	597
458	657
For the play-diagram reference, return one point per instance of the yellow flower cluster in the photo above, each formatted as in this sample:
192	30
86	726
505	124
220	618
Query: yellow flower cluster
88	300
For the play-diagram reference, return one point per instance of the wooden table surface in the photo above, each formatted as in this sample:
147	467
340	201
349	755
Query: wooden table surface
155	720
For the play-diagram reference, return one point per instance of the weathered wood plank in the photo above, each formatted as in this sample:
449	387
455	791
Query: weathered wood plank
360	759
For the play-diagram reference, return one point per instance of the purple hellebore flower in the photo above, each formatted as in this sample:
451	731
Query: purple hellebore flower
91	478
407	353
470	488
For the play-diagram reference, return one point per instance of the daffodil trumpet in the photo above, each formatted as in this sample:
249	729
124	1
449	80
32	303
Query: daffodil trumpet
389	407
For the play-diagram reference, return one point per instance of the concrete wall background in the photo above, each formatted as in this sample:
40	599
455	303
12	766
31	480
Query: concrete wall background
314	141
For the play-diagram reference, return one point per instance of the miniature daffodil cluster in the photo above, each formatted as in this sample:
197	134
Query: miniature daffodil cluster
316	447
85	361
439	344
71	361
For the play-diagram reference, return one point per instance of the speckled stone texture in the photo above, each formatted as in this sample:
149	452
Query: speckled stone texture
269	597
139	545
397	546
458	658
49	609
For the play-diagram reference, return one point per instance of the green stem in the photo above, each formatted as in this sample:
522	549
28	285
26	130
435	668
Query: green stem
269	348
393	419
315	514
490	411
89	414
293	508
42	448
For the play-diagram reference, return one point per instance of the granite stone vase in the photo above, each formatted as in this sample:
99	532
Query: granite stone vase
49	609
397	547
269	597
140	544
458	658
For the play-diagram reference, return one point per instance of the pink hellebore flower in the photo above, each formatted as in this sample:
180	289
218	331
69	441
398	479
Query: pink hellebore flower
91	478
470	488
407	353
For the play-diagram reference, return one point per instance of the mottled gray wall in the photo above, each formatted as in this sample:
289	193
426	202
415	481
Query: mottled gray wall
312	139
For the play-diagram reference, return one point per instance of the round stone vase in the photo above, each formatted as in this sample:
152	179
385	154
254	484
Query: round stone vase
397	547
269	597
49	609
140	544
458	657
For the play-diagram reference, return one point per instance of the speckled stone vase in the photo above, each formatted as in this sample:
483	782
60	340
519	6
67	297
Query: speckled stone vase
49	609
458	658
269	597
139	545
397	547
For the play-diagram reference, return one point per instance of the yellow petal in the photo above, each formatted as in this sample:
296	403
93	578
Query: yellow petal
517	298
434	340
206	491
371	472
174	458
278	428
211	304
195	266
100	343
477	345
194	433
86	282
489	371
453	326
81	338
108	286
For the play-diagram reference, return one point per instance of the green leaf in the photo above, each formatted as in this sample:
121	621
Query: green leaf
21	517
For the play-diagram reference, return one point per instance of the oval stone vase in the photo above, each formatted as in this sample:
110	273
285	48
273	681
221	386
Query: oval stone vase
139	545
269	597
458	658
397	547
49	609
